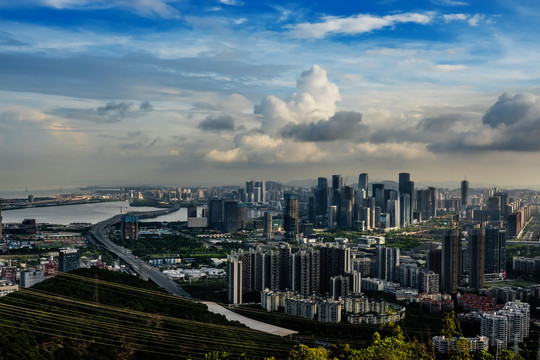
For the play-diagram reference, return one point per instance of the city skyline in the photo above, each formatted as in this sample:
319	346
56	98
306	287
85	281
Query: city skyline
217	92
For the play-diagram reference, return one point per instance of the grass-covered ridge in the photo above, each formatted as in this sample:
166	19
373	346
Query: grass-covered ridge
98	314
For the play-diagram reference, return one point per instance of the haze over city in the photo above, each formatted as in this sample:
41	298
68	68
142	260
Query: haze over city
217	92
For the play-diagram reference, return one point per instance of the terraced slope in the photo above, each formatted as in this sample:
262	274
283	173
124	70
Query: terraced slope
97	314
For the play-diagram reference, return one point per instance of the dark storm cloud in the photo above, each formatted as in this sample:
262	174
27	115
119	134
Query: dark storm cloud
510	109
113	110
146	106
511	124
217	123
341	126
444	122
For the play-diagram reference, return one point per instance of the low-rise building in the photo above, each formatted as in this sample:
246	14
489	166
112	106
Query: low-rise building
30	277
442	344
329	311
7	287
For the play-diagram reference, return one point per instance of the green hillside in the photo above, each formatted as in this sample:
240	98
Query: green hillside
99	314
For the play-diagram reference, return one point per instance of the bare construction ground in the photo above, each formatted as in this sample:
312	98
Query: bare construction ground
252	324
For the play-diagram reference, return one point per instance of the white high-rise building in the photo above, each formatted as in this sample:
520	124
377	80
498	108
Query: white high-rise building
495	327
507	325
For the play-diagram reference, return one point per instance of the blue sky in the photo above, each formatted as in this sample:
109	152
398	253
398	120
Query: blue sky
185	92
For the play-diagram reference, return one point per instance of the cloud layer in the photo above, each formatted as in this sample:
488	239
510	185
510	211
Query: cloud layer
354	25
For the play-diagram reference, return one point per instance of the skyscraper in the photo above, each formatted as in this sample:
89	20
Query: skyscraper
495	251
234	279
405	212
476	258
290	216
337	184
464	197
231	218
435	260
363	182
215	214
346	206
427	202
305	274
377	192
321	194
334	261
406	186
403	179
450	261
386	261
268	233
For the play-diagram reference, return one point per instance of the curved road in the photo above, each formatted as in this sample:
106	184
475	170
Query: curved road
98	233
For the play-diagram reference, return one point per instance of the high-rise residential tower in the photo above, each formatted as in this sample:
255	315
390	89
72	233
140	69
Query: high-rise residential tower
464	198
290	216
450	261
495	251
386	261
476	259
268	232
321	195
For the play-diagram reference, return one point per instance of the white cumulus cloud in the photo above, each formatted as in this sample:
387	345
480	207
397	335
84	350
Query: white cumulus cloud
315	99
354	25
233	155
472	20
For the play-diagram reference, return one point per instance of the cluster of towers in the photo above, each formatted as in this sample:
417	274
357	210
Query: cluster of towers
342	206
485	254
226	215
310	271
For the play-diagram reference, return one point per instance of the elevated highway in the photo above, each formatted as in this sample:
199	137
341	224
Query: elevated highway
99	234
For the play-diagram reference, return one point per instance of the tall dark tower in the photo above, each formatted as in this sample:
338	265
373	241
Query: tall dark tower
495	251
345	220
268	233
476	262
290	216
377	191
321	195
450	261
363	182
403	179
434	201
337	184
215	214
231	218
464	192
406	186
464	198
